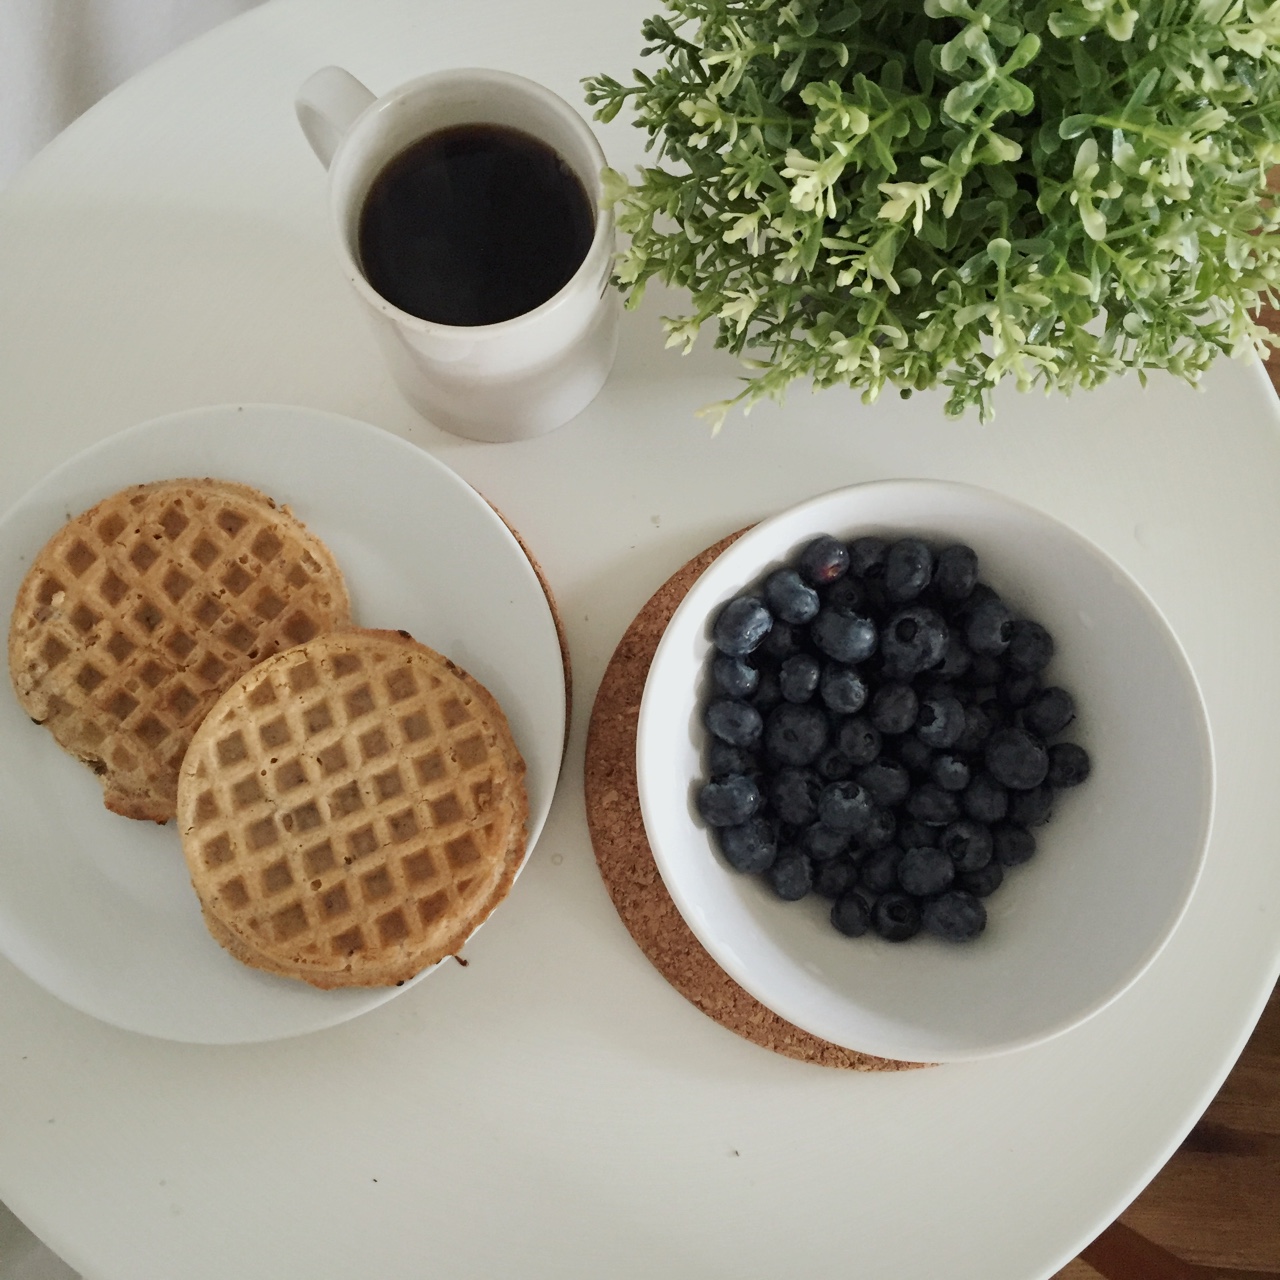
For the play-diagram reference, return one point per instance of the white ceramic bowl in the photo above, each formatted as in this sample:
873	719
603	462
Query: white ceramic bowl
1069	931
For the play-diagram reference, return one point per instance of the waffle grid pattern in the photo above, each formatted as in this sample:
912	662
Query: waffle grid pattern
139	612
348	808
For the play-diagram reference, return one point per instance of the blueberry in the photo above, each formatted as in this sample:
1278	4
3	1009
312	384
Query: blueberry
867	557
1013	845
984	799
956	572
795	734
983	882
932	684
1031	808
913	640
1030	647
741	625
789	598
951	772
842	689
790	876
916	756
733	677
737	723
977	728
893	707
767	694
1049	712
848	596
990	628
886	781
835	877
822	842
984	669
879	830
988	702
980	594
1016	759
833	764
956	916
878	871
968	844
750	846
1018	689
924	871
843	637
957	658
793	794
941	721
913	833
724	758
933	806
859	740
908	566
850	915
782	641
729	801
896	917
823	561
798	677
1069	765
845	806
788	835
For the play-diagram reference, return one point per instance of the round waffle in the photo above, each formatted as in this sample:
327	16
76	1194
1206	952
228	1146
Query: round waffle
138	613
352	810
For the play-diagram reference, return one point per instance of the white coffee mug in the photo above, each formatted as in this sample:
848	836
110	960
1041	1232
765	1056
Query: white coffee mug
507	381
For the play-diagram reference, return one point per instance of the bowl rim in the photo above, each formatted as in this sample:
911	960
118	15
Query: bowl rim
692	603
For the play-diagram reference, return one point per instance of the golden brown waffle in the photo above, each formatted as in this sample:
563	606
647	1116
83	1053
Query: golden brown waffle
352	810
137	614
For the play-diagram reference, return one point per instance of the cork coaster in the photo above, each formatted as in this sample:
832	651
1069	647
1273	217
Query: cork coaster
626	863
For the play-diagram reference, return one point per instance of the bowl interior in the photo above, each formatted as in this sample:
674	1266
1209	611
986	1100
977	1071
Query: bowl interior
1115	868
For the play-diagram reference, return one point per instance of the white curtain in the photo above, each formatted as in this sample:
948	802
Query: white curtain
58	57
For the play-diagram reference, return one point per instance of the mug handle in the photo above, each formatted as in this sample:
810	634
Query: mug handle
327	106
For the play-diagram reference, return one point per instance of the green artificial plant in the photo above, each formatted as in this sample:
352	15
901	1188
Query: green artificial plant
947	192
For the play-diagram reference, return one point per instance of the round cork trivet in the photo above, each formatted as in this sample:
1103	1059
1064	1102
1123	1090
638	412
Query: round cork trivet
626	862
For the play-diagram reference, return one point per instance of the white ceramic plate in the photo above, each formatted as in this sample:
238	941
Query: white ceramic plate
98	909
1114	870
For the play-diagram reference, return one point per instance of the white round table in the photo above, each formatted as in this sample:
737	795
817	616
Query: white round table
556	1109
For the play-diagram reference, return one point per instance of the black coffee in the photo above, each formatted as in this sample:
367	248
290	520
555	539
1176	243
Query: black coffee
474	225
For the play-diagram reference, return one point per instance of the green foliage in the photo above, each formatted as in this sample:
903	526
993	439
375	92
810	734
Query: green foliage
925	192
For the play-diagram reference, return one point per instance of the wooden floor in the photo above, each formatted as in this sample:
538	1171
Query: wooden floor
1217	1202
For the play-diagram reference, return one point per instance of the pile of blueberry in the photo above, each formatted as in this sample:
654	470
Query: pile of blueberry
881	734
